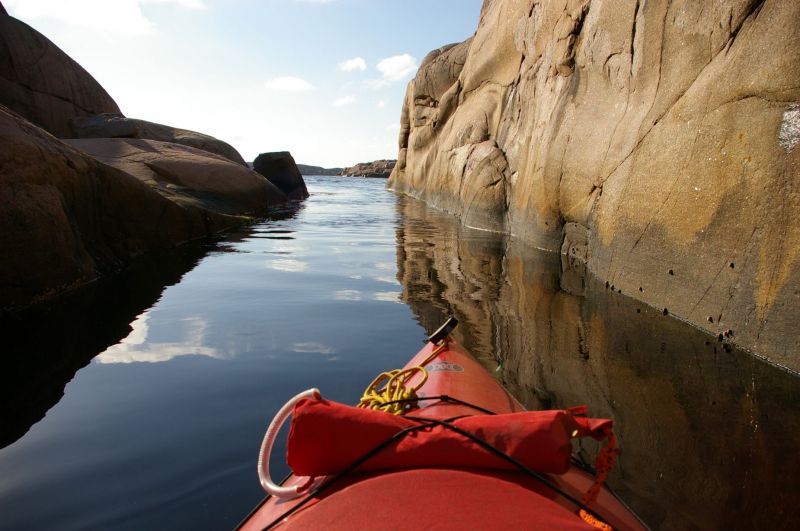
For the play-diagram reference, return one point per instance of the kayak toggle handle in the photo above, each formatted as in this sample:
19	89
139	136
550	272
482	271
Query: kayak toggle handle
266	449
445	330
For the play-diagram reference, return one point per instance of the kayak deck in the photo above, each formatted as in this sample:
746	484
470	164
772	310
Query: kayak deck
443	498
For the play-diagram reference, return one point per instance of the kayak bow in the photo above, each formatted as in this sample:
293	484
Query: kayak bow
458	452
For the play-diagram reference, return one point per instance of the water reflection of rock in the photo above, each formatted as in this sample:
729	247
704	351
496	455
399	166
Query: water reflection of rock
709	433
44	347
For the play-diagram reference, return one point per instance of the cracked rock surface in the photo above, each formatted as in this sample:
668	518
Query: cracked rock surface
664	130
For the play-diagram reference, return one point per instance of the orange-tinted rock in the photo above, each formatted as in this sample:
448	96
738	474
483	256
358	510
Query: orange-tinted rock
43	84
118	126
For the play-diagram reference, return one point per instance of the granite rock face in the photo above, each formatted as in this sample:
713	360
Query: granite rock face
280	169
378	168
42	83
111	125
61	206
661	135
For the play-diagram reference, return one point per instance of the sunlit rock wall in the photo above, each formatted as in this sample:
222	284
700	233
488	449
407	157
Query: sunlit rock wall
662	135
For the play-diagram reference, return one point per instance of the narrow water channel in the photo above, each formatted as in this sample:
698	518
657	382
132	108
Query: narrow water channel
141	402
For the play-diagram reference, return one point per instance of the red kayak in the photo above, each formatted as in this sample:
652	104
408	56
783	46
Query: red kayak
459	452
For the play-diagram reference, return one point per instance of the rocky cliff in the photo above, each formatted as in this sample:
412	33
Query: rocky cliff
652	141
378	168
73	210
66	218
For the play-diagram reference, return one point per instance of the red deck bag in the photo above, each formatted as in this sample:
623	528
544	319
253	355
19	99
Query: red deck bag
326	437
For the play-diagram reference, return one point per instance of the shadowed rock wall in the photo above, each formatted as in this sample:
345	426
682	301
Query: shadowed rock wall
654	141
66	218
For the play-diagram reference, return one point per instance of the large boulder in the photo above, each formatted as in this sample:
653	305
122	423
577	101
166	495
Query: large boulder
279	167
655	141
186	175
378	168
112	125
42	83
66	218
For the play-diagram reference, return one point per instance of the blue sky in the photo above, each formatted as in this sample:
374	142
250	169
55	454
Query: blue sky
263	75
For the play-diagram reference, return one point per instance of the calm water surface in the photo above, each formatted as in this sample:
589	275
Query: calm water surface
170	373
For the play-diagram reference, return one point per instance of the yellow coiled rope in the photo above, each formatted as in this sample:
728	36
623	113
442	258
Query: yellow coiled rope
390	391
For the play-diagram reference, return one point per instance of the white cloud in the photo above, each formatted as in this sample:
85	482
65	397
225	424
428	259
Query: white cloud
381	104
344	100
289	84
136	348
120	17
356	63
397	67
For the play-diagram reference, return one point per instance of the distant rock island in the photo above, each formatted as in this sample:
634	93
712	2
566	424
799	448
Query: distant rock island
85	189
306	169
379	168
654	144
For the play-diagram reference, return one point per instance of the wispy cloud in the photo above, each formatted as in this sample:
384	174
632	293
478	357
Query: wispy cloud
349	65
397	67
120	17
344	100
289	84
381	104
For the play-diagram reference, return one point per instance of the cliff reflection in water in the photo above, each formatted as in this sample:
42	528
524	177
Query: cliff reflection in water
45	346
709	434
